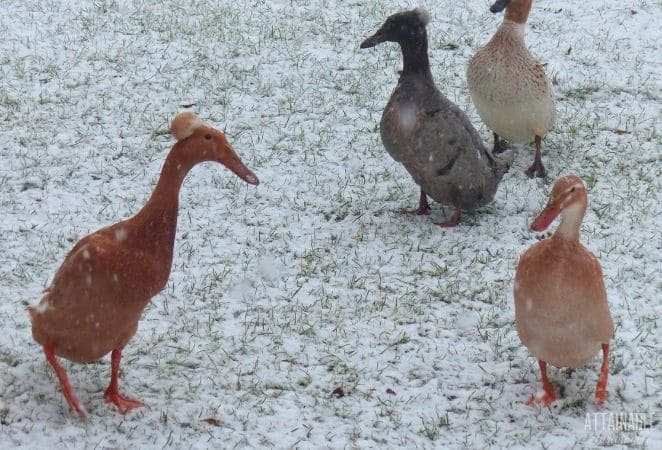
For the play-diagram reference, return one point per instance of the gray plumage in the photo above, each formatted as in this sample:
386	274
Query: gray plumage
427	133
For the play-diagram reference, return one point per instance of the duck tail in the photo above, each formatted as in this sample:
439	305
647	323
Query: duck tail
502	162
34	310
31	311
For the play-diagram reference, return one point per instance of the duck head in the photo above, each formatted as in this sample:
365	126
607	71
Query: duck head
516	10
499	6
402	27
200	142
569	199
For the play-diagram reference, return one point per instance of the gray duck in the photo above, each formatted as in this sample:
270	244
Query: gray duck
427	133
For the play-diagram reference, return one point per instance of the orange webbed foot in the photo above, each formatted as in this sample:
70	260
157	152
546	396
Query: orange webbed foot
112	394
123	404
545	400
549	396
76	406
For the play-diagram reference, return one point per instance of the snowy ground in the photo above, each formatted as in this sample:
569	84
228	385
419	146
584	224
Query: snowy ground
313	282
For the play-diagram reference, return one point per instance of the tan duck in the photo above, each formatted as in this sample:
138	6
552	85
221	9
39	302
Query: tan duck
561	308
98	294
508	86
427	133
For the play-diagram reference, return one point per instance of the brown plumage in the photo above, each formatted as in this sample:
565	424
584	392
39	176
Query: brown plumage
561	308
508	86
98	294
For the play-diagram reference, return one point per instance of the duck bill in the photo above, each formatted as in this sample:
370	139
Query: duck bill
234	163
499	6
373	40
546	217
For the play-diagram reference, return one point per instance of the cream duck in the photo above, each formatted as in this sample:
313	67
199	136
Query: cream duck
561	308
96	298
508	86
428	134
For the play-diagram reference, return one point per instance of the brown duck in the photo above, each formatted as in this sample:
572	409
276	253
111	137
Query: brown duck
561	308
512	94
98	294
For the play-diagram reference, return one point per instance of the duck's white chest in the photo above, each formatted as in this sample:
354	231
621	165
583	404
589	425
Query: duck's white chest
511	91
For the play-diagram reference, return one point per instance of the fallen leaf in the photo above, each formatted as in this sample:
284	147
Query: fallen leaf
213	421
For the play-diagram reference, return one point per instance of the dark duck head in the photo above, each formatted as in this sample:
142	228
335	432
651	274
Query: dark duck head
407	29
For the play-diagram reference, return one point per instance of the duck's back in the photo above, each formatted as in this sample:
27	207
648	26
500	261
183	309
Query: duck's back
435	141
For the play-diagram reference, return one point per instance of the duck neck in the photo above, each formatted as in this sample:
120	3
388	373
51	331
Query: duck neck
509	30
571	220
156	222
415	56
518	11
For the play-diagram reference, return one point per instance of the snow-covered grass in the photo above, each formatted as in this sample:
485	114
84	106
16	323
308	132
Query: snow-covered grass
308	312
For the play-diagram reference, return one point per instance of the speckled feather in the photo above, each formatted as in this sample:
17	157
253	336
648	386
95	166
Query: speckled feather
508	86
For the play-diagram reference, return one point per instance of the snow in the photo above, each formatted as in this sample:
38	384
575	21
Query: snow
312	281
42	306
423	14
407	116
121	234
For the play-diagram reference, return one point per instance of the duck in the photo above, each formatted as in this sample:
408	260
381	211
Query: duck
97	296
430	135
561	310
509	87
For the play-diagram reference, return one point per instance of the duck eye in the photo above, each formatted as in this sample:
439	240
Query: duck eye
208	137
572	190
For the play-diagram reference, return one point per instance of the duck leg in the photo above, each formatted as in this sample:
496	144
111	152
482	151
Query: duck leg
453	220
601	388
537	169
68	392
112	394
549	395
423	206
496	148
